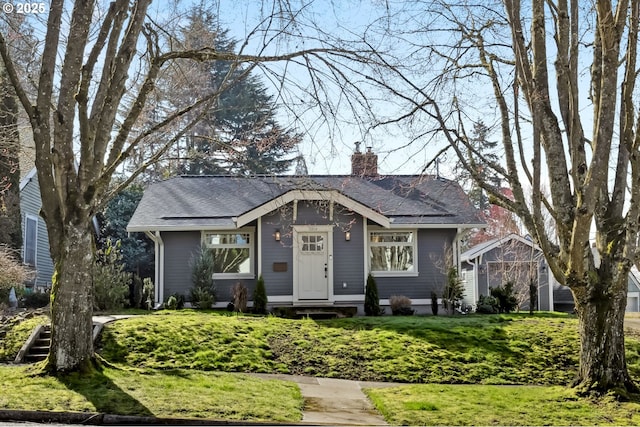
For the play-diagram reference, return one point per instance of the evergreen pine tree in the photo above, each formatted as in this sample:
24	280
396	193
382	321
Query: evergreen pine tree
240	134
260	297
371	299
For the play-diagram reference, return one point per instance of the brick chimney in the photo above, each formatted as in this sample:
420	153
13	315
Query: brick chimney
364	164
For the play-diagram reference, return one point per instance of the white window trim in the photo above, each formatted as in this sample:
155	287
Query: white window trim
251	246
28	217
413	273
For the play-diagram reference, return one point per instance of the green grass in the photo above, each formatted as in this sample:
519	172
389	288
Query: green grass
17	335
433	404
171	393
514	349
175	352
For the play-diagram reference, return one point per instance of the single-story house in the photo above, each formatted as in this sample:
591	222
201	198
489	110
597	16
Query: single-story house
516	258
314	239
35	239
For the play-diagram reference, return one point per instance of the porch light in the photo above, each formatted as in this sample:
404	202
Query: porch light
347	235
277	235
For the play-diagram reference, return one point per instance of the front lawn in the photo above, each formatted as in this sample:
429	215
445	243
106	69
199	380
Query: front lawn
436	404
171	393
514	349
491	370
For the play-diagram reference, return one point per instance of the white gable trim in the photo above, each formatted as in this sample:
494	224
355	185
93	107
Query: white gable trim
295	195
27	178
475	253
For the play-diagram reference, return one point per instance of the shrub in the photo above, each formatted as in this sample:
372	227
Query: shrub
35	300
172	303
135	292
507	302
260	297
453	290
203	292
202	268
434	303
12	272
175	302
487	305
371	299
110	281
400	305
148	293
239	294
202	297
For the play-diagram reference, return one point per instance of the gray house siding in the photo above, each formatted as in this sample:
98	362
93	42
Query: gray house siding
277	283
348	257
348	261
277	257
30	204
431	243
179	248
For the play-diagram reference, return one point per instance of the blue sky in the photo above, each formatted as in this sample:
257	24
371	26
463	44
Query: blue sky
327	150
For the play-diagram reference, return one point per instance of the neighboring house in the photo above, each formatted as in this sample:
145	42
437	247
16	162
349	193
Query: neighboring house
633	291
35	244
518	259
314	239
511	258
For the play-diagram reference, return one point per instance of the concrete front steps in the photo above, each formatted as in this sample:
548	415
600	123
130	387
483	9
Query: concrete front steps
37	346
40	348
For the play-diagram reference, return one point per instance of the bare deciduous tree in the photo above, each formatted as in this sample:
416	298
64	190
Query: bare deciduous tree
96	79
560	79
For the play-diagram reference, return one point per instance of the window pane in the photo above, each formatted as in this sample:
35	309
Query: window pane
392	258
30	241
391	237
227	239
312	243
231	260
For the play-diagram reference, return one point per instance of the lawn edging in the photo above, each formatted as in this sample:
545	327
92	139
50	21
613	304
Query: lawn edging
96	418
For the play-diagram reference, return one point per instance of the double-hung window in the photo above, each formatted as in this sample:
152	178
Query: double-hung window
232	253
393	253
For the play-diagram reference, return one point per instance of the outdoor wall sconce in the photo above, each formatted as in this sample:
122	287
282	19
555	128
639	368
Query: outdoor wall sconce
277	235
347	235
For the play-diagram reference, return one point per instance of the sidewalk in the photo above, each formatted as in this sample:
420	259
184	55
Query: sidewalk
329	401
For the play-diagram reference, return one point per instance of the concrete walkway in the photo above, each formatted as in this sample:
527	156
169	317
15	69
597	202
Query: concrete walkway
107	318
329	401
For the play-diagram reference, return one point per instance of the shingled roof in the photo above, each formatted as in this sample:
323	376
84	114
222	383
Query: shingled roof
197	202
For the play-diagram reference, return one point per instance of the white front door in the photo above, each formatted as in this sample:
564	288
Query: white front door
312	265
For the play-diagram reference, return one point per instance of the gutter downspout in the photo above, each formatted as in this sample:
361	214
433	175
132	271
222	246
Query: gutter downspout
456	252
474	298
158	245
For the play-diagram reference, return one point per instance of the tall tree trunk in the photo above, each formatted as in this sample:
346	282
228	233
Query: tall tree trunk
72	301
10	219
600	307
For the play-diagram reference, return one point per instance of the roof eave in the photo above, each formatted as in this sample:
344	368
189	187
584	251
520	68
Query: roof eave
165	227
436	225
